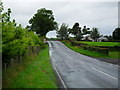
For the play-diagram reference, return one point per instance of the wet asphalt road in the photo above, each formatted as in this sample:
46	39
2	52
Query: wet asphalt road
79	71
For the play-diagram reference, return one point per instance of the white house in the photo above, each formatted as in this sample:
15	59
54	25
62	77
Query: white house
87	38
102	38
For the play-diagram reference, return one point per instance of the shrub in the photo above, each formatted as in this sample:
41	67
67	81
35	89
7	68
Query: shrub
15	39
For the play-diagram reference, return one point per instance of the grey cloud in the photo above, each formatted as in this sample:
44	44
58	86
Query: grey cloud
103	15
51	34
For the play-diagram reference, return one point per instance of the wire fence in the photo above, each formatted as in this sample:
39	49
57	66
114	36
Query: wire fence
31	50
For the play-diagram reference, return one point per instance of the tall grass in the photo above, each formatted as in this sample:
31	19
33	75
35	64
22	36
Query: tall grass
33	73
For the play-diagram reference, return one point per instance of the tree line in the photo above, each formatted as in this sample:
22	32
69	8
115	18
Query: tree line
78	32
16	40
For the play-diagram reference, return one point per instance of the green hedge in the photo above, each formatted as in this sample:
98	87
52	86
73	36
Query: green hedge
91	48
16	39
100	50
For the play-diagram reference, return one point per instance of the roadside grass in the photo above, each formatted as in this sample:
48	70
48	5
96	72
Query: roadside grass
0	47
112	54
100	43
33	73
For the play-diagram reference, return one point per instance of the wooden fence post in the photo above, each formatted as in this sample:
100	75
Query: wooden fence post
20	59
5	66
17	59
11	61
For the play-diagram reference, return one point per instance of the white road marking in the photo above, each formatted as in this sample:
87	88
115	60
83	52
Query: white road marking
50	54
104	73
49	44
72	58
81	63
60	77
50	48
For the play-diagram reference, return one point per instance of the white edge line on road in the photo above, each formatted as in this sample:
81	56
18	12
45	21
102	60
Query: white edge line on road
60	77
50	51
57	70
81	63
49	44
104	73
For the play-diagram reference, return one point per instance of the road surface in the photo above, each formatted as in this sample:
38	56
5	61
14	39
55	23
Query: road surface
78	71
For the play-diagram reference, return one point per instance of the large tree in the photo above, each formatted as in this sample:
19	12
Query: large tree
95	34
42	22
76	31
63	32
85	30
116	34
109	37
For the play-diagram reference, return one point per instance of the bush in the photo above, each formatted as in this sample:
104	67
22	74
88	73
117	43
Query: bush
15	39
97	49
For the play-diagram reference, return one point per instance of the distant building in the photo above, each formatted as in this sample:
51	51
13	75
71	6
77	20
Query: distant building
44	41
87	38
102	39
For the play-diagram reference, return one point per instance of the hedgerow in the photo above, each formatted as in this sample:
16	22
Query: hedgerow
15	38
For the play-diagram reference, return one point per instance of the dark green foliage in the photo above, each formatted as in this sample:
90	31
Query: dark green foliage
85	30
42	22
63	32
97	49
109	37
116	34
15	39
75	29
95	34
1	7
78	32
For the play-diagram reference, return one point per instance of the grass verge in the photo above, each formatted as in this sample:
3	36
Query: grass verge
112	54
100	43
33	73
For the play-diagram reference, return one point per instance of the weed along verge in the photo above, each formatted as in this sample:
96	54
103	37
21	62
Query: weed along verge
34	73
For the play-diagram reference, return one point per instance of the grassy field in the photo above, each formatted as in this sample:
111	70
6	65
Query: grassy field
100	43
34	73
112	54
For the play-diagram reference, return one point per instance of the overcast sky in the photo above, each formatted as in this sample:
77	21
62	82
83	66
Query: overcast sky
97	13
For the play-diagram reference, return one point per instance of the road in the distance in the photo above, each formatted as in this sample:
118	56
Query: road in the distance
79	71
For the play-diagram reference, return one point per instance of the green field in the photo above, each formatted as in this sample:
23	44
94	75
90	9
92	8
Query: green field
100	43
112	54
35	73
